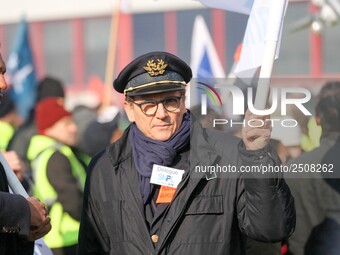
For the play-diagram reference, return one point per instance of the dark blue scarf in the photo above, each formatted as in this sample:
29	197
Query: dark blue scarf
147	152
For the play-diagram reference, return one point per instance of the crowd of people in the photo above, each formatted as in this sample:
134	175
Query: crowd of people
49	156
97	188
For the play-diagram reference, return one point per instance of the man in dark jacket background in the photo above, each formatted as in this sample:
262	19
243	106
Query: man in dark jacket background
148	193
21	220
317	193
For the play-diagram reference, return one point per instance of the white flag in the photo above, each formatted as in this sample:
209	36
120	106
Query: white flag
264	23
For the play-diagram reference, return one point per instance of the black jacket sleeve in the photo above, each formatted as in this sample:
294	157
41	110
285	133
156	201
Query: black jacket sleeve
15	214
59	174
265	205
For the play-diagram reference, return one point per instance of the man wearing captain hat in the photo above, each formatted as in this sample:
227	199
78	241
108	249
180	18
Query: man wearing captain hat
142	194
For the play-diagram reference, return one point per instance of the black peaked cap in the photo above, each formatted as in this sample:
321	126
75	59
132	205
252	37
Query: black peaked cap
154	72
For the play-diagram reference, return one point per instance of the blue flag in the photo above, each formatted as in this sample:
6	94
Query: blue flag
21	70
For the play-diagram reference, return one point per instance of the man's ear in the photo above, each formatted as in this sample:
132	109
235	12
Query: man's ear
128	107
183	102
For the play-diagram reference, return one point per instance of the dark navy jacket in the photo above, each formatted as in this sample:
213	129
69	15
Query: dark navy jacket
204	217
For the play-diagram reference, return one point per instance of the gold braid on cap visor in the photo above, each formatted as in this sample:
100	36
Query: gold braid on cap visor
154	83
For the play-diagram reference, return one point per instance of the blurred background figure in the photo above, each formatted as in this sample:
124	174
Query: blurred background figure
311	138
9	121
47	87
324	238
317	197
96	129
58	175
286	140
207	120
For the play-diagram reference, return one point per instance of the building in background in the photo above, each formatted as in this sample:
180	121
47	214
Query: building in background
70	38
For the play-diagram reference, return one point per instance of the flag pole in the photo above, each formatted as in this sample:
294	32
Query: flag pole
263	86
274	30
111	54
12	179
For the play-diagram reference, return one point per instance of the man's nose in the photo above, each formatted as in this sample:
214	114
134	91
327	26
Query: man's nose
3	83
161	112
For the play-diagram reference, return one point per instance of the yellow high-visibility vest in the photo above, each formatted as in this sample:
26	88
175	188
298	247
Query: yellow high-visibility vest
65	229
7	132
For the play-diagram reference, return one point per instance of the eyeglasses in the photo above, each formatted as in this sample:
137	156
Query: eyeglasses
149	108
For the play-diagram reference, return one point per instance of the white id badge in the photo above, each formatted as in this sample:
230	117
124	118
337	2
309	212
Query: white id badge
166	176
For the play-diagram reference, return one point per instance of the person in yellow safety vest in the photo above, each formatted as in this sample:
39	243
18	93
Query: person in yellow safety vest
7	131
9	120
6	128
58	175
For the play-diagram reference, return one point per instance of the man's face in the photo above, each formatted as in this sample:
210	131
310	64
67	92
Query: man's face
163	124
64	131
3	84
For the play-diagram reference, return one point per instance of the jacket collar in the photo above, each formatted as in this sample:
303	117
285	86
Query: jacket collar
120	150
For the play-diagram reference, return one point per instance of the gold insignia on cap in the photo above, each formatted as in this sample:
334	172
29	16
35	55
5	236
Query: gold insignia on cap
155	69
